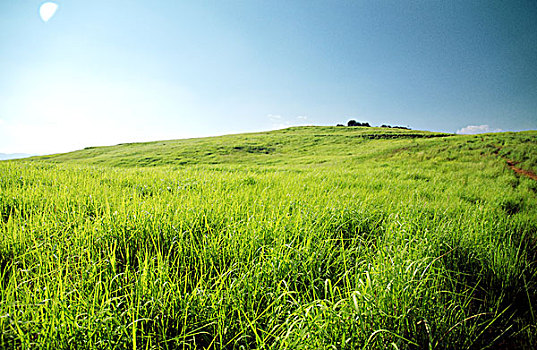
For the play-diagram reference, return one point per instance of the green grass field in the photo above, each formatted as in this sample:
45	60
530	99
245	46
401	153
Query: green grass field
303	238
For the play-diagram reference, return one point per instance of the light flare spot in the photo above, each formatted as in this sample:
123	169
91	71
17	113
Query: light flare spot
47	10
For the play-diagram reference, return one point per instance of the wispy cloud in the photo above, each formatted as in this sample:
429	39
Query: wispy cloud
280	122
477	129
274	117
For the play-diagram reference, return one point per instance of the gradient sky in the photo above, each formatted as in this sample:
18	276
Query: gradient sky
105	72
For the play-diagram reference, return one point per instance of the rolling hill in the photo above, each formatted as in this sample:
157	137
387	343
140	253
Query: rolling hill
307	237
304	145
5	156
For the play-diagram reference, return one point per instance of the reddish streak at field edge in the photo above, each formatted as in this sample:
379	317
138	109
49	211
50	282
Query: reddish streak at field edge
524	172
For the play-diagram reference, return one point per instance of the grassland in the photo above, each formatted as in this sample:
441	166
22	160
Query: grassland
303	238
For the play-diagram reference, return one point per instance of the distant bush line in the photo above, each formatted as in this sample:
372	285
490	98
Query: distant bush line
397	136
353	122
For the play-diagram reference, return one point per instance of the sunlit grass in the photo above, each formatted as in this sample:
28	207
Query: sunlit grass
334	241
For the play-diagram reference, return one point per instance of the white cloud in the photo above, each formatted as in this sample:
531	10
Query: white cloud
274	117
280	122
477	129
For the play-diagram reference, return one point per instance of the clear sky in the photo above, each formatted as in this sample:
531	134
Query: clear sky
103	72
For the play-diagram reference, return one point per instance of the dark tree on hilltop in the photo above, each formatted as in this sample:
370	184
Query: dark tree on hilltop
353	122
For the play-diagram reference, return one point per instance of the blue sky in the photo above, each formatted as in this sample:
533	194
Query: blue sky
105	72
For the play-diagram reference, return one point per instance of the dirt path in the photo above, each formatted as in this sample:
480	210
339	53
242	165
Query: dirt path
520	171
512	164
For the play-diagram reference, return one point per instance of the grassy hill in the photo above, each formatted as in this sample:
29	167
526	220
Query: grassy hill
308	237
304	145
294	146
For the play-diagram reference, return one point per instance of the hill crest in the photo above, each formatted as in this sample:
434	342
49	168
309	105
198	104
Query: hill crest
270	147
